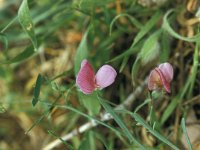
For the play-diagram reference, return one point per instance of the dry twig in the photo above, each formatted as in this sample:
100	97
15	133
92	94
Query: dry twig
104	117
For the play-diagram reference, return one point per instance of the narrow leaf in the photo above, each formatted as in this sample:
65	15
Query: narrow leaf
132	19
4	40
36	92
119	122
188	86
29	51
26	22
45	113
169	29
185	133
70	147
147	27
143	31
84	115
154	132
82	52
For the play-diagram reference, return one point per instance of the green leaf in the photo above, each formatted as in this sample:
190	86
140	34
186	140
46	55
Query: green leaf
149	51
26	22
68	146
119	122
29	51
4	39
85	143
151	47
36	92
185	133
147	27
166	26
90	102
143	31
194	70
132	19
188	85
154	132
82	52
84	115
165	47
45	113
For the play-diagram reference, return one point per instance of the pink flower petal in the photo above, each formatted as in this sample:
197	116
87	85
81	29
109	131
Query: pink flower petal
86	78
84	62
105	76
165	83
154	80
167	71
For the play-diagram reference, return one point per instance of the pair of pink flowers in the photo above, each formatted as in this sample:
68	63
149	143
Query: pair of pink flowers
87	81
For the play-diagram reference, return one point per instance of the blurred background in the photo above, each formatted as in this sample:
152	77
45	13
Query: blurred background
134	36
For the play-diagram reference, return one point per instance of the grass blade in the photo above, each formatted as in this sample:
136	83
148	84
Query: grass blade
4	39
64	142
84	115
185	133
143	31
188	86
154	132
166	26
119	122
194	70
82	52
132	19
29	51
45	113
36	92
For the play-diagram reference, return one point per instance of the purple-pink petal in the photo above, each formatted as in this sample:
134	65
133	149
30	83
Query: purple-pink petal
167	71
105	76
160	77
86	78
84	61
165	83
154	80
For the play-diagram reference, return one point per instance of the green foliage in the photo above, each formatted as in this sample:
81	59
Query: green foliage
82	52
143	31
149	51
179	97
131	37
4	40
185	133
90	102
37	88
154	132
24	55
119	122
68	146
166	26
26	22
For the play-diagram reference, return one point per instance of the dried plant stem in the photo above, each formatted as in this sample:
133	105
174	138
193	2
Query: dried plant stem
104	117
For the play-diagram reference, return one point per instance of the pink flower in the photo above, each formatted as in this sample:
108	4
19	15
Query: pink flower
87	81
160	77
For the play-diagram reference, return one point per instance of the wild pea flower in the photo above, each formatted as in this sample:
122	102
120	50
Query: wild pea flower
87	81
160	77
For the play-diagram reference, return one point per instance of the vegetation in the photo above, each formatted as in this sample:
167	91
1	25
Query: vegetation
42	46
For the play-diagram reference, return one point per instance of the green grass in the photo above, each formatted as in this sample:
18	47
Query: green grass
42	45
